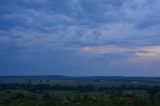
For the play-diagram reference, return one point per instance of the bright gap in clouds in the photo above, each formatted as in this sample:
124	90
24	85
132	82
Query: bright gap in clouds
149	53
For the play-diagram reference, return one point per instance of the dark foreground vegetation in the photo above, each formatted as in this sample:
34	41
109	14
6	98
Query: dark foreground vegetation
79	91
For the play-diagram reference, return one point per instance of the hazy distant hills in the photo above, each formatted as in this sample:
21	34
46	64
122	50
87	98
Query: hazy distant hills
91	78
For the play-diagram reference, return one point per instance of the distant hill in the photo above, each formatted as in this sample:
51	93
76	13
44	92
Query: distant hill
89	78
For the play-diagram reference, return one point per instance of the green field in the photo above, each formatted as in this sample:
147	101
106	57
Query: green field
18	92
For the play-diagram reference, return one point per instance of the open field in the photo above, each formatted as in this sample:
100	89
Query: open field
79	91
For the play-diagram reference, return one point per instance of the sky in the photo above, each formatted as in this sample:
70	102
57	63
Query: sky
80	37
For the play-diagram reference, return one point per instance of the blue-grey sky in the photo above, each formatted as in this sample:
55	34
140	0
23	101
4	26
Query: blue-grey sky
80	37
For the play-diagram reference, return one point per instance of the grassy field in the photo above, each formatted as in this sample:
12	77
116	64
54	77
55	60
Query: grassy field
70	92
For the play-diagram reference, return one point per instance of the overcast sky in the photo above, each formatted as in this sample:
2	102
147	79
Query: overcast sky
80	37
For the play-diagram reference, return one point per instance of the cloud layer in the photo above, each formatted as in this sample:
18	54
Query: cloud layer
125	30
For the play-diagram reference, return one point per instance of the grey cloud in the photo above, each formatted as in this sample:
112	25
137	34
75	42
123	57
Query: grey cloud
44	22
